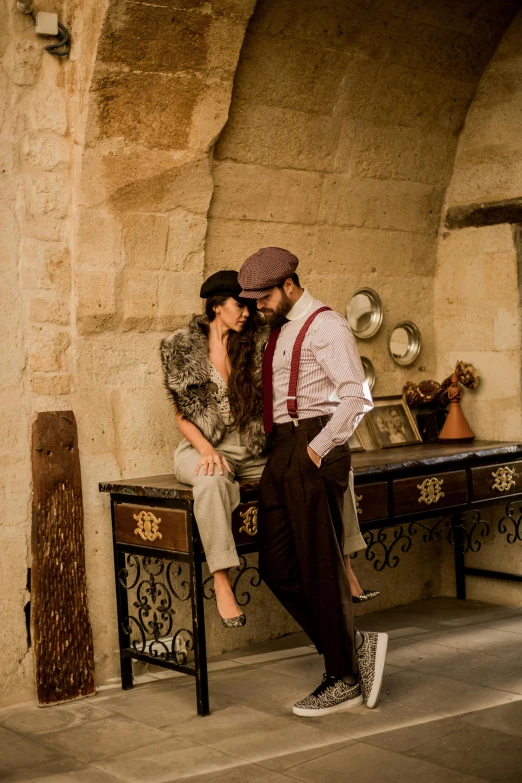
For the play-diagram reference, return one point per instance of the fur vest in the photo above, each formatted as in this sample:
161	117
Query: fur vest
187	377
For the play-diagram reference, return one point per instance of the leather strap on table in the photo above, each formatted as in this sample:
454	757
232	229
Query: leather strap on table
291	400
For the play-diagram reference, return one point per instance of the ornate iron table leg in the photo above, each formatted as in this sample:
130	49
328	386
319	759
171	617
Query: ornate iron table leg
458	534
198	620
122	606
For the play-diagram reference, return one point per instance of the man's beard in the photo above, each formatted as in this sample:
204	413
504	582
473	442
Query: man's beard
277	317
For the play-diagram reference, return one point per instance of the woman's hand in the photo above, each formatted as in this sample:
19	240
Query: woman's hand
209	459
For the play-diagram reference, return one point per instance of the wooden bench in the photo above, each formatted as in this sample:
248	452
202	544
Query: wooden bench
435	489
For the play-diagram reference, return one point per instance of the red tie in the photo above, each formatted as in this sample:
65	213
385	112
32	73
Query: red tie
268	394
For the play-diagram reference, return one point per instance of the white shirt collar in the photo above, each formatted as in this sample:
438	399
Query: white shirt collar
301	307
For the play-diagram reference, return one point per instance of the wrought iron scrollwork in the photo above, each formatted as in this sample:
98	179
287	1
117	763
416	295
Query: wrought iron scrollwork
242	598
151	585
510	526
469	537
383	546
254	581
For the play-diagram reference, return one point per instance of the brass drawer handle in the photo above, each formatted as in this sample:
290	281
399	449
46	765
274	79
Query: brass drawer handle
431	491
147	526
504	480
250	517
358	498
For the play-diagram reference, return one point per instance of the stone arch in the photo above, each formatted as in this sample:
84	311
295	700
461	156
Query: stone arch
477	283
340	145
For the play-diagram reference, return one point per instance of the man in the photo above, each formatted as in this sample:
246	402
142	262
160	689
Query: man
315	395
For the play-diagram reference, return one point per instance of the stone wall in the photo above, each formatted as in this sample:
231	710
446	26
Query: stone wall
340	145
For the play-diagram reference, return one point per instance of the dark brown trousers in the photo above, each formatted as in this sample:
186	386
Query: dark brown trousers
300	541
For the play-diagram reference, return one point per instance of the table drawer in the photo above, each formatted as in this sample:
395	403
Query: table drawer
425	492
372	501
155	527
494	481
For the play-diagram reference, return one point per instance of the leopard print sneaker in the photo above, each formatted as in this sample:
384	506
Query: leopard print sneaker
370	657
332	695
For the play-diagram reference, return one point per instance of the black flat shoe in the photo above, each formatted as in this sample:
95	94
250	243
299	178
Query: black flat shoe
366	595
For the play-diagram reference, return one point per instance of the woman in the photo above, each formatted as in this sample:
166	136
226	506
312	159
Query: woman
212	370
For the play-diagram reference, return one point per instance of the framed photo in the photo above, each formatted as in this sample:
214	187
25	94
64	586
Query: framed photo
392	424
356	443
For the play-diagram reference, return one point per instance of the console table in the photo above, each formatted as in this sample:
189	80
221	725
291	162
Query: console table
435	490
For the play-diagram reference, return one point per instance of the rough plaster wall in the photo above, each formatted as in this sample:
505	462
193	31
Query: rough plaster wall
340	145
477	284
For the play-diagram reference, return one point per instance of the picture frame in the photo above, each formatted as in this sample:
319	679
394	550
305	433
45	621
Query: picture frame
356	443
392	424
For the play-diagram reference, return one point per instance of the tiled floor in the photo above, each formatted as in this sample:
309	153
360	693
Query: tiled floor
451	710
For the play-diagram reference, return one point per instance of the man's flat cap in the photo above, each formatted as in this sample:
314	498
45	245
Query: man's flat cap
224	283
267	268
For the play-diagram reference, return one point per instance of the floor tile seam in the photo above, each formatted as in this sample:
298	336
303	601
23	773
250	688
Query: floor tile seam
348	743
409	754
466	650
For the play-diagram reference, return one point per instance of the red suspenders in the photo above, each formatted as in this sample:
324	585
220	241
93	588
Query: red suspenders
291	400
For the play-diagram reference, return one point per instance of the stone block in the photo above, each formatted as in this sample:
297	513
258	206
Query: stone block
210	113
476	242
186	241
44	227
465	276
156	38
388	204
45	265
250	192
99	240
225	41
47	194
402	95
188	185
342	27
49	309
506	327
49	110
50	385
145	240
292	74
145	423
96	432
27	57
96	308
484	174
422	46
139	298
465	324
121	359
499	372
396	152
48	350
230	242
123	99
351	250
46	152
347	136
178	296
273	136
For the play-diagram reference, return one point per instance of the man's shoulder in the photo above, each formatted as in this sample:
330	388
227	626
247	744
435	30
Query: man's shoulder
330	318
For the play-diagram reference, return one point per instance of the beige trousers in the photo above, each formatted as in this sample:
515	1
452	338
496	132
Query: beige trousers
216	497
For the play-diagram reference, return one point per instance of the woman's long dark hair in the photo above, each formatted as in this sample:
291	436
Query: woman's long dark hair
245	397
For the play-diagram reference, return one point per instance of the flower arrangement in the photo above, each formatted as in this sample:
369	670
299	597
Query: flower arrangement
432	398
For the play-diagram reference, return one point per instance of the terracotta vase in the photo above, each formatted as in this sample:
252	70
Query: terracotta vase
456	429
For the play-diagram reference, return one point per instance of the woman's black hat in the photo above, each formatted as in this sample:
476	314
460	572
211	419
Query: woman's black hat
223	283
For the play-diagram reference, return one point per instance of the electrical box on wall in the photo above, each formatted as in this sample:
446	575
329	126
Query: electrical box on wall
46	23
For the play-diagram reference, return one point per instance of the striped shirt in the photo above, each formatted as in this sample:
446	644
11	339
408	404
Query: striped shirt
331	376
